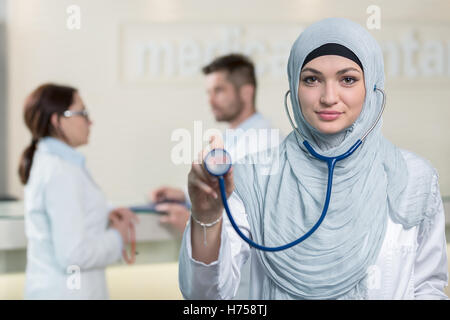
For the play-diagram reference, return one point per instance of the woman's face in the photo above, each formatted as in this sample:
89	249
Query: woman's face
76	128
331	93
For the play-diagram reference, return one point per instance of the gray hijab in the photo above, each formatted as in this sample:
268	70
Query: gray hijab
367	187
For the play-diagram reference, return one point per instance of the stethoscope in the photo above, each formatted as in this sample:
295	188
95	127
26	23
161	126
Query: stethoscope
218	162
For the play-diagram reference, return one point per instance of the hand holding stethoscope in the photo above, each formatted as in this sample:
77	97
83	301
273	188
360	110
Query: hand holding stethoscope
207	205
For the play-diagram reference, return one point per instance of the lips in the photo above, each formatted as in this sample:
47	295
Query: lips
329	115
329	112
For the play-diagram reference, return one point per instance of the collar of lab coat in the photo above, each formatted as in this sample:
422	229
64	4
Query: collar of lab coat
61	149
252	122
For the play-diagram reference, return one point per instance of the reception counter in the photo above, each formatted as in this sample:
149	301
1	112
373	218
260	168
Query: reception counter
155	243
156	263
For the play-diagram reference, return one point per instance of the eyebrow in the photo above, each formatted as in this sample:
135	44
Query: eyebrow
338	73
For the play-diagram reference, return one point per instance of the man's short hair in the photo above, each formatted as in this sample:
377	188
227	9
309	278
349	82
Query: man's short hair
240	68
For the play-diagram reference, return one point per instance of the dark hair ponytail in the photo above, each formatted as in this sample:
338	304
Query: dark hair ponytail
40	105
26	161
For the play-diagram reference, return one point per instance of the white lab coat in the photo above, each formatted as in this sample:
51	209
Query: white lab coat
66	218
410	265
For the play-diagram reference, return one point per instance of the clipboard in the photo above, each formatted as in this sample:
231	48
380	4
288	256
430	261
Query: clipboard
151	207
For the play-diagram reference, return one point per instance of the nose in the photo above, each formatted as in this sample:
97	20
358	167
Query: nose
329	95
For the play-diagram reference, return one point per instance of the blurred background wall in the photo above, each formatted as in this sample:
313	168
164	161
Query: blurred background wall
137	66
3	99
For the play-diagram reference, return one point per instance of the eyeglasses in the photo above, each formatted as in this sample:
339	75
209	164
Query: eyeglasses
69	113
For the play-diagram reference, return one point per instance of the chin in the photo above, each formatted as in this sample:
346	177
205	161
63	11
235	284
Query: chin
220	118
84	142
329	129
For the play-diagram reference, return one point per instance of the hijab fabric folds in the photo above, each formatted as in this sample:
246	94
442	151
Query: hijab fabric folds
367	187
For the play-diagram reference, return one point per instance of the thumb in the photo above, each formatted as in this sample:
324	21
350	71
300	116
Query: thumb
164	207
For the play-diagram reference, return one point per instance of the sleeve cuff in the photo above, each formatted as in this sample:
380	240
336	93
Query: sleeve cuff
188	245
197	279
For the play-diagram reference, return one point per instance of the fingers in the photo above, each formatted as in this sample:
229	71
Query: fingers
154	195
176	216
135	219
127	235
131	233
204	181
122	227
167	193
112	214
127	215
201	173
160	194
170	210
174	194
128	227
114	220
164	207
168	218
170	207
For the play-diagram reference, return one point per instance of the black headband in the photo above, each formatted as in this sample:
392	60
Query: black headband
332	49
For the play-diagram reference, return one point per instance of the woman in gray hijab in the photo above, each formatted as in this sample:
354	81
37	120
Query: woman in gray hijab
384	233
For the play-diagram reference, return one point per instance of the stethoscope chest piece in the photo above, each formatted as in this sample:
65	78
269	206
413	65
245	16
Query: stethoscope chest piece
217	162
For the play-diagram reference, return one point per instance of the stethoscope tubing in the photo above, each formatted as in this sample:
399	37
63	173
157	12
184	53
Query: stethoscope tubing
331	162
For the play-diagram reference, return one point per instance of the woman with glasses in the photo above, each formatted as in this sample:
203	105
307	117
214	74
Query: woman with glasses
72	233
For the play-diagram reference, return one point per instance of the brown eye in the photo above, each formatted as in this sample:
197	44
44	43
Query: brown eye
310	80
349	80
